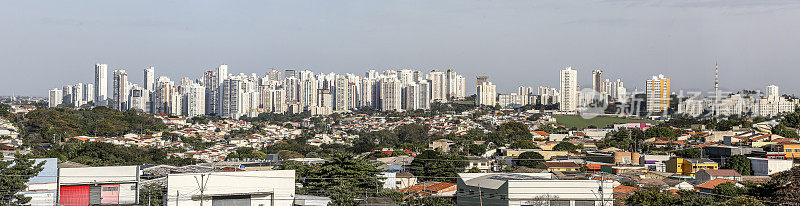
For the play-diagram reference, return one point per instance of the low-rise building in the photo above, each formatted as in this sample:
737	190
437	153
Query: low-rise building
114	185
276	187
562	166
768	166
483	164
710	174
791	150
530	189
688	167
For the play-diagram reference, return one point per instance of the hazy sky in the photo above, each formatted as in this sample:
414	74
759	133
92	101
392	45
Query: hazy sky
47	44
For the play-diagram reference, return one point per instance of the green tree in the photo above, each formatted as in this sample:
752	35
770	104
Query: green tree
729	189
431	164
107	154
476	149
151	194
565	146
529	159
651	197
688	153
792	119
343	178
665	132
740	164
523	144
13	176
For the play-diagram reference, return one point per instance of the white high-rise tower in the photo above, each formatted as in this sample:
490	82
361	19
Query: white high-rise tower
569	90
101	84
150	78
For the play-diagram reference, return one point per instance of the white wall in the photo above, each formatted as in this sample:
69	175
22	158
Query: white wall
562	189
764	166
90	175
279	182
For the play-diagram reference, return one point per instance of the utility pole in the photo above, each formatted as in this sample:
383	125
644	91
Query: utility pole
202	185
602	198
177	196
480	195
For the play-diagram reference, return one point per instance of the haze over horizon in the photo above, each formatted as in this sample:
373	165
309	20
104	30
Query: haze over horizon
51	44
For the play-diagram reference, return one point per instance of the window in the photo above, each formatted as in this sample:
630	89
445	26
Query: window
788	150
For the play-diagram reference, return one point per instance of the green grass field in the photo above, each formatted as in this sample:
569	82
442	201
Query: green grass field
571	121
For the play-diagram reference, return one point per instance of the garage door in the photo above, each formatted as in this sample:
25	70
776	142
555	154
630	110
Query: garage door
237	200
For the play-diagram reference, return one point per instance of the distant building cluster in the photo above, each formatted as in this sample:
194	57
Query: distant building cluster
220	93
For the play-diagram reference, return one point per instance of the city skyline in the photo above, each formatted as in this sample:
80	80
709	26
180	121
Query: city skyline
680	39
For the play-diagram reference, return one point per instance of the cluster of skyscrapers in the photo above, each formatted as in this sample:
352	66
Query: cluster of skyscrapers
568	96
222	94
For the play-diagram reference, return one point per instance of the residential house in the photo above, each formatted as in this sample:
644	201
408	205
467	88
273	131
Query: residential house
708	186
393	180
483	164
562	166
442	145
540	135
710	174
430	189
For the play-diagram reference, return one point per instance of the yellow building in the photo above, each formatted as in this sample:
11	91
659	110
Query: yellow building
658	91
791	150
688	167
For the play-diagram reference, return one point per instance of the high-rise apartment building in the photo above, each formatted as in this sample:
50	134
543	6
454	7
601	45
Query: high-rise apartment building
54	97
597	81
194	99
658	94
486	94
77	95
569	90
439	88
120	93
149	78
342	94
390	94
101	84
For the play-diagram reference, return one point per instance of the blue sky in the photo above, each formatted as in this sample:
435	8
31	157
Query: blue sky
48	44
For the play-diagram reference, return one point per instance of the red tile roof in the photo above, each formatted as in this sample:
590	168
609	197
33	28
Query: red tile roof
543	133
713	183
625	189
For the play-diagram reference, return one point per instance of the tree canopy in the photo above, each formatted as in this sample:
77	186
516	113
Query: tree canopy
529	159
431	164
13	176
107	154
740	164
